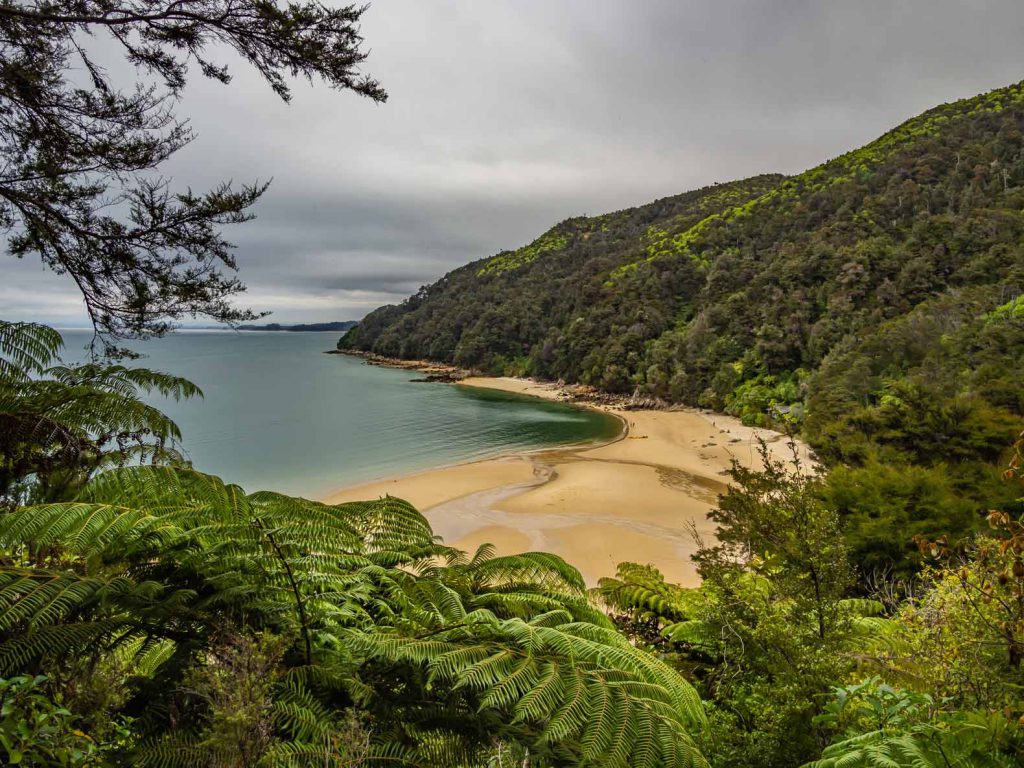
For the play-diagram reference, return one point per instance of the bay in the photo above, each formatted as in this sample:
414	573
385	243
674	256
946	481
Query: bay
279	414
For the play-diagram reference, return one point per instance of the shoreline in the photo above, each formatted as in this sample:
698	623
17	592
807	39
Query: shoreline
641	497
576	394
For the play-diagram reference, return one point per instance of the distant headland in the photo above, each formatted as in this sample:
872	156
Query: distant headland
338	325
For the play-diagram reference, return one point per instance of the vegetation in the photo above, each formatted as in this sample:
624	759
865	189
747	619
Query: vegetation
154	615
797	671
254	625
872	304
157	616
61	424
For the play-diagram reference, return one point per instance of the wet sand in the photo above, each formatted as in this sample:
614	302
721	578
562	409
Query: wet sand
641	498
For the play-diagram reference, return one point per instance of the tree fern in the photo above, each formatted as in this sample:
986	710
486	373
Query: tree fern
26	349
60	424
642	592
449	652
659	611
947	745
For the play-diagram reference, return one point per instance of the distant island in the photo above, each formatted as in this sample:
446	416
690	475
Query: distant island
338	325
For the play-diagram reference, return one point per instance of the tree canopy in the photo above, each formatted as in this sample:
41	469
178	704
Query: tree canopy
80	186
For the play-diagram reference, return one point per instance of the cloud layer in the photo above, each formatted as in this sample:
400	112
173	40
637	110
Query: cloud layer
507	116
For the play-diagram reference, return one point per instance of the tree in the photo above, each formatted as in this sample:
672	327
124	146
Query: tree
774	587
60	424
960	645
774	521
770	628
78	186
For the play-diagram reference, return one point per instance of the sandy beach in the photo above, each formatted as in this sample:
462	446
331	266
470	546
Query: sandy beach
640	498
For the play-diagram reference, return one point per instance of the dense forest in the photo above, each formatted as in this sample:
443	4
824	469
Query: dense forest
870	303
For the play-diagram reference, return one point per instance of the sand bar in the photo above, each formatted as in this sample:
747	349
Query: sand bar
639	498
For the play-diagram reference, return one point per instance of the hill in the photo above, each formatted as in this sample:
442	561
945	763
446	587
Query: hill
554	308
337	325
871	301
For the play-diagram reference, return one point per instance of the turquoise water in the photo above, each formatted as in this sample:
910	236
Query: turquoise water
278	414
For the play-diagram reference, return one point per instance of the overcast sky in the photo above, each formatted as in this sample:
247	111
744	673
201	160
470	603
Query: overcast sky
507	116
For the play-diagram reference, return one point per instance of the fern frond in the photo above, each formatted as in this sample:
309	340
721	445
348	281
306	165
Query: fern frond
152	559
26	348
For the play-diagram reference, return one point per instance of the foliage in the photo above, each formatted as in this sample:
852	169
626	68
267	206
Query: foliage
548	303
78	188
923	452
640	592
765	400
878	498
503	262
59	424
241	685
775	582
773	521
796	671
959	653
966	633
874	705
770	273
35	732
771	626
892	728
268	616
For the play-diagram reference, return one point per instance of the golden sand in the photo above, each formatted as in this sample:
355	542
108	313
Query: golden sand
641	498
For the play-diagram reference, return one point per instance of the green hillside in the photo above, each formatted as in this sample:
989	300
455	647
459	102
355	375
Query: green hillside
872	301
557	308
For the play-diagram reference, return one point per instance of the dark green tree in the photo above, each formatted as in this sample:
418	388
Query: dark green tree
78	186
775	580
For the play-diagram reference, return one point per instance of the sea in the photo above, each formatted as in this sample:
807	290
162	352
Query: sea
277	413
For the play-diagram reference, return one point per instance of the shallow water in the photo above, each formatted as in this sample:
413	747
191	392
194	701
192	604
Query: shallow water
278	414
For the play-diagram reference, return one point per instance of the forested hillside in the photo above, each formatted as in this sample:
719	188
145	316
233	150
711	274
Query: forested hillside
872	302
561	306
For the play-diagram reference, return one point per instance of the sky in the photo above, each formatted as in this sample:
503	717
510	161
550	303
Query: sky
507	116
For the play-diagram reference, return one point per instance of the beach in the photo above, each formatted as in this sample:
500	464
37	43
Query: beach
641	498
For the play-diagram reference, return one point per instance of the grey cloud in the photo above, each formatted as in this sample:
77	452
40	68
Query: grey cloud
508	116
